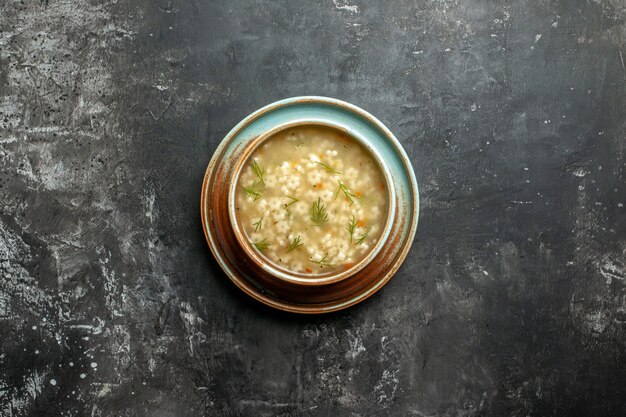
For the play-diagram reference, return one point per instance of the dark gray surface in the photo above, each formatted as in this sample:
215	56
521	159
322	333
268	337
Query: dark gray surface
512	300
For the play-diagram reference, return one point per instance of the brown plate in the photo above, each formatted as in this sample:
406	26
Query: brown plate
278	288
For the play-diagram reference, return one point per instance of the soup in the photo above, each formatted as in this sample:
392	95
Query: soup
312	200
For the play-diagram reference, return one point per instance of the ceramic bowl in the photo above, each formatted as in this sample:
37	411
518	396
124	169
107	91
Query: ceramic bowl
271	284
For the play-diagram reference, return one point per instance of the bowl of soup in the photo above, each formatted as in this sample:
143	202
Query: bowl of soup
309	205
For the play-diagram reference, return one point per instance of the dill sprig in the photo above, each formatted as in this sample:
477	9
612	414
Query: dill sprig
258	225
287	205
346	192
351	227
293	200
322	262
258	171
295	243
262	244
252	193
327	167
319	215
361	238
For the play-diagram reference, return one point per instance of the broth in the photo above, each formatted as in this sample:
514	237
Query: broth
312	200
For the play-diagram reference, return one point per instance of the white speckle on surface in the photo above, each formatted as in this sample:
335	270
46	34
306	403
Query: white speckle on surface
447	50
34	384
356	345
596	321
94	364
611	270
580	172
97	329
105	388
473	107
525	168
83	376
537	37
191	320
18	283
385	389
620	205
34	327
110	283
53	381
71	363
343	5
36	351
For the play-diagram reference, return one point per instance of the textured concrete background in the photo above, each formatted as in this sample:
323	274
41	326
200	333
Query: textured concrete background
512	301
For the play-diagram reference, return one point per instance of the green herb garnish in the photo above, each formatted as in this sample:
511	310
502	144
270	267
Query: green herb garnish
252	193
319	215
322	262
351	226
361	239
293	200
258	171
346	192
295	243
261	245
286	205
327	167
258	225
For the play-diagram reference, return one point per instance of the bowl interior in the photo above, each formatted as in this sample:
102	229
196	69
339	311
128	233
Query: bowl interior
280	271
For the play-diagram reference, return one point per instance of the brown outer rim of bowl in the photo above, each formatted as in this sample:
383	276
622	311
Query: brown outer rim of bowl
253	288
297	277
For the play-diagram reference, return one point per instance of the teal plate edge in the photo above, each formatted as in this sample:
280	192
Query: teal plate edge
357	122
